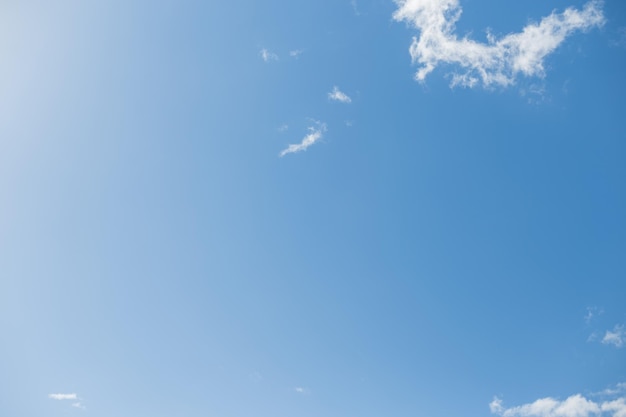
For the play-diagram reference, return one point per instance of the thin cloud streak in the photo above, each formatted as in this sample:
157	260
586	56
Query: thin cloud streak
499	61
63	396
315	133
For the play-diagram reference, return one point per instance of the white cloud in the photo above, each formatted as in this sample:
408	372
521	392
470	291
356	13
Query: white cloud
339	95
283	128
496	406
617	407
619	388
79	405
497	62
301	390
63	396
315	133
268	56
617	337
574	406
295	53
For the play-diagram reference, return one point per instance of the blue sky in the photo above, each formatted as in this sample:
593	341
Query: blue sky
322	208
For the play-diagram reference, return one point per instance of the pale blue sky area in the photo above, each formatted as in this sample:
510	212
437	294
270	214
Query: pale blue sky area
313	208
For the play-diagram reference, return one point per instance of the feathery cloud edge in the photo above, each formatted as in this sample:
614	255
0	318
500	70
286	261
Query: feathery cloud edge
315	133
497	62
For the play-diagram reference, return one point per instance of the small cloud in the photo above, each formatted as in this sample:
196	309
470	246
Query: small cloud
496	406
301	390
315	133
617	337
268	56
68	397
283	128
349	123
63	396
339	95
295	53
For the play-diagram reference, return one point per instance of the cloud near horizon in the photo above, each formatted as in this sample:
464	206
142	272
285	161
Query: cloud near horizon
574	406
499	61
315	133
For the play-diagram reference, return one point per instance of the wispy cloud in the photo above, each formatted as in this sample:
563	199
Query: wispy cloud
79	405
283	128
295	53
574	406
315	133
620	39
617	337
267	55
591	313
499	61
619	388
301	390
355	7
63	396
339	95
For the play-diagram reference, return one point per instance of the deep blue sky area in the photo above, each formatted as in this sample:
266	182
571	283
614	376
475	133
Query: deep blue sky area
256	208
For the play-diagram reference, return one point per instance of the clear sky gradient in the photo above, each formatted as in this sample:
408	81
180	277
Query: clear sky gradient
313	208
